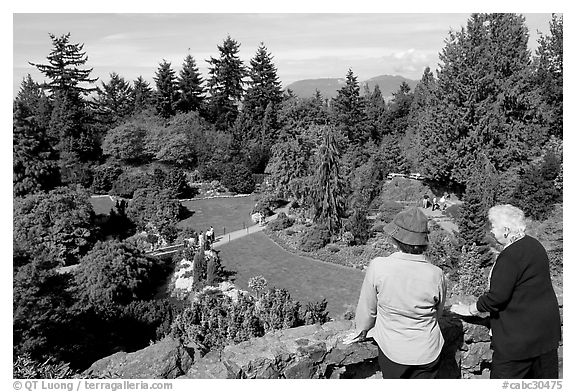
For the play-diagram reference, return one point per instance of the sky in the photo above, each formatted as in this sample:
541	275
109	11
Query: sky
304	45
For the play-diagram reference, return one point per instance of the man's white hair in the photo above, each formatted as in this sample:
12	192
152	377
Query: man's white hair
506	215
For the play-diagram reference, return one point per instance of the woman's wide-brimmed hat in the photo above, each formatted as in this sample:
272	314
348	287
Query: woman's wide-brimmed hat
409	227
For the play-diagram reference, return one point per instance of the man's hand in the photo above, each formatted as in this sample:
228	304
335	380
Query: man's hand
355	337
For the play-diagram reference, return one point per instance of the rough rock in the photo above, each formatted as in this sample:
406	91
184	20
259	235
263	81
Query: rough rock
165	359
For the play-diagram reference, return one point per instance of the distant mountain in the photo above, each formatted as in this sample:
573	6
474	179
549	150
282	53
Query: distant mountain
329	87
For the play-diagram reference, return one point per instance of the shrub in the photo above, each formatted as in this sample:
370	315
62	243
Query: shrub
471	280
154	206
315	312
104	177
281	222
129	182
237	178
378	228
359	226
277	310
442	250
314	238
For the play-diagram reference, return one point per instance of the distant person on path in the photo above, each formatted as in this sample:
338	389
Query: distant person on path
443	203
210	234
401	300
524	313
435	205
425	201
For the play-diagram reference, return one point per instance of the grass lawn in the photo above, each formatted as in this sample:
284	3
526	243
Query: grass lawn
306	280
101	205
230	213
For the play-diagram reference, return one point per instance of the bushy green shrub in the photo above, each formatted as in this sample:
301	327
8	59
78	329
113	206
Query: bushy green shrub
314	238
315	312
237	178
215	320
443	249
471	280
281	222
104	177
359	226
154	206
129	182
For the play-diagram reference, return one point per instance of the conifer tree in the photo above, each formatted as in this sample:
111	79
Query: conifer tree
327	185
349	111
142	95
263	94
69	129
63	68
166	90
480	195
550	72
486	100
34	166
375	112
225	84
115	99
191	92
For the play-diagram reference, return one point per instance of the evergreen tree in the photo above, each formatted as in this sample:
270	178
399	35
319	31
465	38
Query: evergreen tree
191	92
34	166
166	90
69	130
263	94
395	128
486	101
63	68
349	111
225	84
142	95
536	192
550	72
375	112
480	195
32	101
327	185
114	100
413	141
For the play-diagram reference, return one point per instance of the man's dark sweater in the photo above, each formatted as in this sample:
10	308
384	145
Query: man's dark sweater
524	314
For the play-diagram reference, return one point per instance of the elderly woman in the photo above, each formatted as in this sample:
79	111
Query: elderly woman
524	314
401	299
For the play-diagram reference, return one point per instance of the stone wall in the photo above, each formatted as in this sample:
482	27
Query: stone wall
313	351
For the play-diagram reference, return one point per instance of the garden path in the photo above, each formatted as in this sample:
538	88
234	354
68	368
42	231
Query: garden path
443	221
234	235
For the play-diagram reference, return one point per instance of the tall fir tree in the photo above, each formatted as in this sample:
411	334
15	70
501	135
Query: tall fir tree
142	95
166	90
114	100
375	112
348	108
191	91
480	195
550	72
327	184
34	165
225	84
63	68
263	94
70	129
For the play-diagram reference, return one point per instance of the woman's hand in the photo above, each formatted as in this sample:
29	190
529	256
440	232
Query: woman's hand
461	309
355	337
